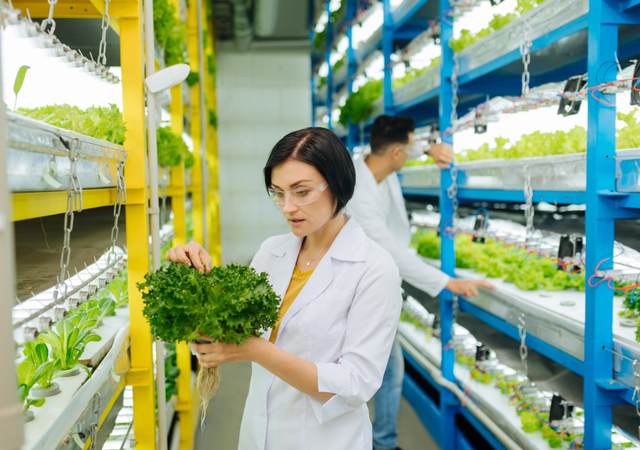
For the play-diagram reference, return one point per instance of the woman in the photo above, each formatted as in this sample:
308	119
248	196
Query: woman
313	374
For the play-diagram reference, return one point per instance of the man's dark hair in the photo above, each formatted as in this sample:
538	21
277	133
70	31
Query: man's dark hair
322	149
389	130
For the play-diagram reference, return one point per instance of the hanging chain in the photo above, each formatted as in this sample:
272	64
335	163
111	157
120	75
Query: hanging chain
49	20
525	51
524	351
452	194
529	210
102	50
454	91
74	201
121	197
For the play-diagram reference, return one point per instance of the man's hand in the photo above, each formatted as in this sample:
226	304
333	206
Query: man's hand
442	154
467	288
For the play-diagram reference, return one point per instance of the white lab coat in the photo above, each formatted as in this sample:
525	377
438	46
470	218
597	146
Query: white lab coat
344	320
390	228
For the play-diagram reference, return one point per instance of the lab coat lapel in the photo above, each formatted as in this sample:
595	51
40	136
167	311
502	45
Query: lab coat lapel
318	282
284	259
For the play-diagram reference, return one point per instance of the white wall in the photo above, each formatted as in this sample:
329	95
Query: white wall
262	95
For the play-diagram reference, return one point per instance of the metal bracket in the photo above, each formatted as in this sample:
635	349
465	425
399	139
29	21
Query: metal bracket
139	377
612	385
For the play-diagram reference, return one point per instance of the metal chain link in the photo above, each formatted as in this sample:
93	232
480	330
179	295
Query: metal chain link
121	197
524	351
452	194
102	52
529	210
49	20
74	202
525	51
454	91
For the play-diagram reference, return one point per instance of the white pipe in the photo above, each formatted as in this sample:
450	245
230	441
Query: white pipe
204	113
152	113
10	409
434	371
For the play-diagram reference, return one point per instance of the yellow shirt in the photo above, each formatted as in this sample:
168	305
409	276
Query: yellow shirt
298	280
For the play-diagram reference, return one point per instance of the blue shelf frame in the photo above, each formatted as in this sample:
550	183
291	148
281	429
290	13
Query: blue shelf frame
602	24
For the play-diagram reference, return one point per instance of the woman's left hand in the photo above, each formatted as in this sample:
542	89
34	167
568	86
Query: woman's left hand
215	353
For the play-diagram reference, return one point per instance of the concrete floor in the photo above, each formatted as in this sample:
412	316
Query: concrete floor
222	425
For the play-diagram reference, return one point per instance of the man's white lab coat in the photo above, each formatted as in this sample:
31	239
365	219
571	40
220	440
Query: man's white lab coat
344	320
384	219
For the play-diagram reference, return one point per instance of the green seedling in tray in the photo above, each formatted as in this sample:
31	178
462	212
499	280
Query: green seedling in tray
28	376
37	353
67	340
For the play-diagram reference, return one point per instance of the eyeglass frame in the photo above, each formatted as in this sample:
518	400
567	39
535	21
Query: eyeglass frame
280	203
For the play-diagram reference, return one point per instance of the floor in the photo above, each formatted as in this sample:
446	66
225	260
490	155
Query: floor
222	424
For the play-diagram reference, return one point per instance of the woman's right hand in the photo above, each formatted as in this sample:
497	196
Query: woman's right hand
191	254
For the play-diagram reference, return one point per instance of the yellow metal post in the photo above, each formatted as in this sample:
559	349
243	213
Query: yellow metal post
184	406
213	197
141	372
194	120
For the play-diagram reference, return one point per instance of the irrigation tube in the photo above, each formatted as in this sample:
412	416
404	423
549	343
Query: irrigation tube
434	371
154	213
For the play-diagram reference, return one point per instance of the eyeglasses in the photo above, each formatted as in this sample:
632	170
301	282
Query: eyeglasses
299	196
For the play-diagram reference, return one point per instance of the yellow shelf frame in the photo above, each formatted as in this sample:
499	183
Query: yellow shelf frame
126	20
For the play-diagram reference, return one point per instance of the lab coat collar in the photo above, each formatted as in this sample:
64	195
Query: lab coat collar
349	246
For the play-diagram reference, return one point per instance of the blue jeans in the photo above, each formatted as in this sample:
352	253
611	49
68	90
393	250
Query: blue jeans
387	401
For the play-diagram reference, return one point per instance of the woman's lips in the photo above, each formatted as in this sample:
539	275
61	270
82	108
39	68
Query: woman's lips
296	222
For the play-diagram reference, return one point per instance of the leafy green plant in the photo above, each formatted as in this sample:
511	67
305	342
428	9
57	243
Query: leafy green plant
28	376
100	122
171	147
192	79
213	118
171	371
211	64
228	304
498	260
359	105
18	82
170	33
37	353
530	422
118	289
68	341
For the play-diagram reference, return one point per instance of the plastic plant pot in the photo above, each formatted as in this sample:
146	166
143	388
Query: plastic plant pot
28	415
39	392
68	372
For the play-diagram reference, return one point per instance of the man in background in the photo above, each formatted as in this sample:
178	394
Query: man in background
378	206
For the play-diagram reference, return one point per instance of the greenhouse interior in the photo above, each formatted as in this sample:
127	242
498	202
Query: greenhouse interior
320	224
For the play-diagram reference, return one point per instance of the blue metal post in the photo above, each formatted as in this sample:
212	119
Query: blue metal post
448	403
352	66
387	51
602	47
327	57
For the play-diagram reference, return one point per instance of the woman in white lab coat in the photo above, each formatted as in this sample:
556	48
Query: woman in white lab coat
313	374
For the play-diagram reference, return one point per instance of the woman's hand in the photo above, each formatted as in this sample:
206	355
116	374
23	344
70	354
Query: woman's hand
192	254
213	354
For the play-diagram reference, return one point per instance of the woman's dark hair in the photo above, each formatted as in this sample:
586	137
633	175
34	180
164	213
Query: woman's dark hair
321	149
389	130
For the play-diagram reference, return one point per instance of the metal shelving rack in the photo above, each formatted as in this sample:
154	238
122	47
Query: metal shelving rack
126	19
587	37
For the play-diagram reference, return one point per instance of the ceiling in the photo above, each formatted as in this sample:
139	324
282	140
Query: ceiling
251	21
